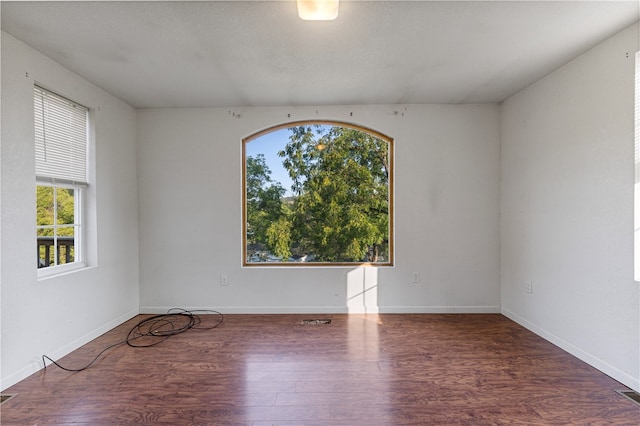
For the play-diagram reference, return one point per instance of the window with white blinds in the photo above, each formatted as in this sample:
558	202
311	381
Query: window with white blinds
60	138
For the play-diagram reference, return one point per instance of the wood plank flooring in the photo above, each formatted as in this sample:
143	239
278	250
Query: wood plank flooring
386	369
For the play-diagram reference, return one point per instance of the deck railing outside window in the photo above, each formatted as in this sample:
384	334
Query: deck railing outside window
45	253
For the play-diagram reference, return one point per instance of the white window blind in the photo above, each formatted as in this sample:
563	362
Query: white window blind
61	138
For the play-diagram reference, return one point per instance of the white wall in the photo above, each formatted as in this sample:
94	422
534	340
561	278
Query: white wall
567	208
446	206
57	315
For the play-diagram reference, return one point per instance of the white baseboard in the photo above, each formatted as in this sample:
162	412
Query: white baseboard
230	310
334	309
439	309
611	371
36	364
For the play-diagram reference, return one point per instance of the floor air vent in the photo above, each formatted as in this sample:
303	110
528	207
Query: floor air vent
634	396
316	321
5	398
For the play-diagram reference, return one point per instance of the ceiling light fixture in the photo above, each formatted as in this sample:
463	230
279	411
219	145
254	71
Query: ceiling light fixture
318	10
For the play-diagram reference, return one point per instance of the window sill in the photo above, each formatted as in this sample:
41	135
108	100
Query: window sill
61	270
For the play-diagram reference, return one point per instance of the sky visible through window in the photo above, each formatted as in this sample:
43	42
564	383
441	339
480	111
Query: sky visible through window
269	145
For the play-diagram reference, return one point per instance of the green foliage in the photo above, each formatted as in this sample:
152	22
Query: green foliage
64	210
340	208
279	237
55	216
264	206
341	181
44	209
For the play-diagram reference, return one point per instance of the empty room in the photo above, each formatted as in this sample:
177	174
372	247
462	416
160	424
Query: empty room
319	213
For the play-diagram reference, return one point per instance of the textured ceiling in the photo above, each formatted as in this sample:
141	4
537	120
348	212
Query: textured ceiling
259	53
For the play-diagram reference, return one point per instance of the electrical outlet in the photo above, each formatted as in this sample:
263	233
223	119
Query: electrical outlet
529	286
415	277
224	280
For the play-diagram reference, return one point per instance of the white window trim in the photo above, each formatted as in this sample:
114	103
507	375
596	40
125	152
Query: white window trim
79	236
55	271
81	196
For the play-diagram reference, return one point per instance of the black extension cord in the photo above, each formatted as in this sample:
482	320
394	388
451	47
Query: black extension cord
154	330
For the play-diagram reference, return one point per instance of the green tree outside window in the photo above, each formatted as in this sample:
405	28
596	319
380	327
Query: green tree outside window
339	207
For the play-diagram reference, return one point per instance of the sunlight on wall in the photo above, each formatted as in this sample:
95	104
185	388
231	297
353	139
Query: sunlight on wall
362	290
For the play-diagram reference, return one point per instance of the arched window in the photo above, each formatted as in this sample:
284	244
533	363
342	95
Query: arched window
317	193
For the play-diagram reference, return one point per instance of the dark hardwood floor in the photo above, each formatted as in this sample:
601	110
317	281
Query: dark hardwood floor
359	370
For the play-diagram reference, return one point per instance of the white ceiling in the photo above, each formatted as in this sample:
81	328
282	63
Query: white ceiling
259	53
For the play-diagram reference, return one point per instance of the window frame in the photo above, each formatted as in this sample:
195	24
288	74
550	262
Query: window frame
79	193
78	234
390	262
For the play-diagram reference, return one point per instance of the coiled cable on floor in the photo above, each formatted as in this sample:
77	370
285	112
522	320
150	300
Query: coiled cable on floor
154	330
